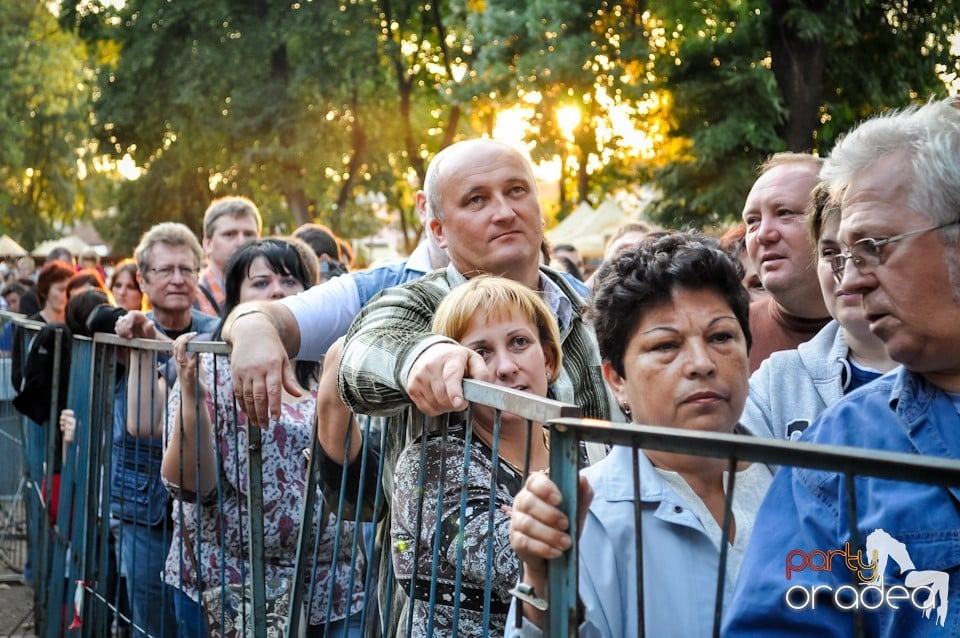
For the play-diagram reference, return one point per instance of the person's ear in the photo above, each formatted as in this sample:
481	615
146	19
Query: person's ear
550	363
615	382
420	202
435	226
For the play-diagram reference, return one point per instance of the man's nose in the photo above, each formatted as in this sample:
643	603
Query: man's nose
853	281
768	231
504	208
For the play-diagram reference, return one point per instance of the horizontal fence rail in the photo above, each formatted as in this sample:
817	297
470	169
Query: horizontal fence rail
567	434
412	533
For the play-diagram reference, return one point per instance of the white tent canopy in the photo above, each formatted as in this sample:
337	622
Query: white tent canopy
591	229
569	227
10	248
72	243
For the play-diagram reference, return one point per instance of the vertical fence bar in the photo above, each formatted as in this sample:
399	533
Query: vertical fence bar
724	542
98	535
850	486
307	530
562	573
638	525
52	563
255	522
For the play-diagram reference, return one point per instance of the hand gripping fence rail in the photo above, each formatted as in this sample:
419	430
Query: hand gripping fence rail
412	535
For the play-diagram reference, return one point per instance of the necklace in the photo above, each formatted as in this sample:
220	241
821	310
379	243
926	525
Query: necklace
487	439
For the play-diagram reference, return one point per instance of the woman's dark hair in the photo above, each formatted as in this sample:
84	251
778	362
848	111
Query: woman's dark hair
645	276
79	308
86	277
53	272
283	258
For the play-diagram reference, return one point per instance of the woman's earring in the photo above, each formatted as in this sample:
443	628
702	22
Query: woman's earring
625	408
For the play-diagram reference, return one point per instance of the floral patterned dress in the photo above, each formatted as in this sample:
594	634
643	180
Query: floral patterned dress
413	553
221	548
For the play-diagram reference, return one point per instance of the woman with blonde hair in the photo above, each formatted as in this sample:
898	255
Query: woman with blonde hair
514	331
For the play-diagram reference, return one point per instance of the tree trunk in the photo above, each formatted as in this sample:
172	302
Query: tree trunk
359	138
297	203
798	67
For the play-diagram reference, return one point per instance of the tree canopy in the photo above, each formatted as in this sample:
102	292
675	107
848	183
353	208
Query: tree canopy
45	146
330	111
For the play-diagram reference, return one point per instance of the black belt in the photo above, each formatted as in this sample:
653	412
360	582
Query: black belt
470	597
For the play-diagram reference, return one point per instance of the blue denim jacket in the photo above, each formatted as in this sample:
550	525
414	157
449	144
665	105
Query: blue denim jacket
370	282
807	510
137	494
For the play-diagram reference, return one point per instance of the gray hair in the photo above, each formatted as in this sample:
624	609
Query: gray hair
171	234
930	133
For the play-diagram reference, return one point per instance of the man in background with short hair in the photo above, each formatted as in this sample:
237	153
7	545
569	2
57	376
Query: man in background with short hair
227	223
780	248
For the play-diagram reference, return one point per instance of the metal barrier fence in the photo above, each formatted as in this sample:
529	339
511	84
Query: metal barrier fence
86	555
850	462
452	559
13	519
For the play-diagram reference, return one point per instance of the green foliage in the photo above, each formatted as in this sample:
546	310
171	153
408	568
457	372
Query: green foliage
43	123
729	109
330	109
292	104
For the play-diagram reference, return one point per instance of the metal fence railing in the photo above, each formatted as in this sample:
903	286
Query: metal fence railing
13	487
568	434
448	540
80	574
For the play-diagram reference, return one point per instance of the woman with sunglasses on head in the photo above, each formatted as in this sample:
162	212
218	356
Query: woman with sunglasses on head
214	439
840	358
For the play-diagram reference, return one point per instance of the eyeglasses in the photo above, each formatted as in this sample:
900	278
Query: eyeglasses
865	253
166	272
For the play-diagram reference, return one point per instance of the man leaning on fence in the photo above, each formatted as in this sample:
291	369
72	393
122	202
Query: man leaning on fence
168	260
487	217
898	177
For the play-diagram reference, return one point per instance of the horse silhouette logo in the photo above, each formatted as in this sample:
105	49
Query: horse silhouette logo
884	547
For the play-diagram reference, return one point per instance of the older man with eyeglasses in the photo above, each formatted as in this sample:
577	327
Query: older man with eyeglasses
168	262
899	179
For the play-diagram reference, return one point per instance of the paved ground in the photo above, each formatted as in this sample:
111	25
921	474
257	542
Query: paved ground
16	609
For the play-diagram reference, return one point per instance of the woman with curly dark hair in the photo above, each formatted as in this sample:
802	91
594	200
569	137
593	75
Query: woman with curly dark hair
671	319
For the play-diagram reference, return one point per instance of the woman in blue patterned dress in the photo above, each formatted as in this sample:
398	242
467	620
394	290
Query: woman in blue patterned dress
204	467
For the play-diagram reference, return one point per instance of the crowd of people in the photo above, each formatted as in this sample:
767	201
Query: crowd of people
828	315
